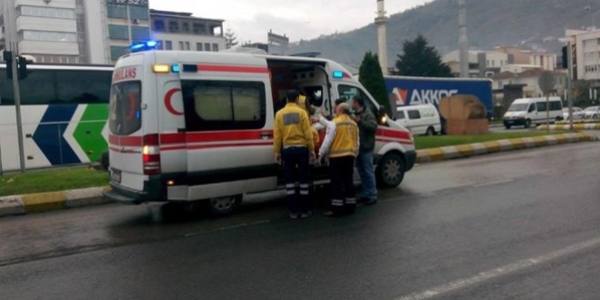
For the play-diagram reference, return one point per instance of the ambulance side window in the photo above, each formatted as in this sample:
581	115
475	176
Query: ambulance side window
349	92
224	105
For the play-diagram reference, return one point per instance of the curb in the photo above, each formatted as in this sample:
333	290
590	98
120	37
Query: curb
580	126
42	202
463	151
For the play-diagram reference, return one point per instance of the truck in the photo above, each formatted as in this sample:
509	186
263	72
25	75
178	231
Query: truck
405	90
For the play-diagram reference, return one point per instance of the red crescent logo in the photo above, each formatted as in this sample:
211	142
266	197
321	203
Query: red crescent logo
169	104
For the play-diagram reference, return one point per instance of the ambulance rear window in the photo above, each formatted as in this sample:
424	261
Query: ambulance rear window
125	111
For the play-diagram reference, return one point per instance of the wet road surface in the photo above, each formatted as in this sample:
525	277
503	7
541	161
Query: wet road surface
517	225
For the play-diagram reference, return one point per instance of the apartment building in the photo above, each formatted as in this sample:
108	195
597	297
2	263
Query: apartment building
587	55
73	31
183	31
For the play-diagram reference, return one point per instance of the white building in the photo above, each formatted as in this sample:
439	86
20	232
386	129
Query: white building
182	31
545	60
530	78
586	54
481	63
73	31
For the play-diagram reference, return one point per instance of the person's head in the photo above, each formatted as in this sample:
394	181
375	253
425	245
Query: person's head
292	96
342	109
358	103
338	102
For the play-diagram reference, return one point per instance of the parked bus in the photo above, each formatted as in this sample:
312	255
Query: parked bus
64	110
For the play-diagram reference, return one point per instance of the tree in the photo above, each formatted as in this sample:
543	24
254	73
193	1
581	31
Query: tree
421	60
371	77
230	39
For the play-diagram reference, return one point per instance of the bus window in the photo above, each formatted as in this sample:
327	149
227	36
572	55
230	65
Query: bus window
82	87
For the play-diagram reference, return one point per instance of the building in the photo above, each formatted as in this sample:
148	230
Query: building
545	60
124	22
73	31
530	78
481	63
586	56
520	56
182	31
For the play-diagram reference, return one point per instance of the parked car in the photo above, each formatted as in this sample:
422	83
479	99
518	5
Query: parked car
419	119
577	113
592	112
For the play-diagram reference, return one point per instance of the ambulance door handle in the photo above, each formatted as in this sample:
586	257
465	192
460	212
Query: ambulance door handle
266	135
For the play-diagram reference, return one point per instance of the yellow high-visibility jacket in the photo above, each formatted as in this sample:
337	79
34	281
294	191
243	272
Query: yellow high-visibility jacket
292	128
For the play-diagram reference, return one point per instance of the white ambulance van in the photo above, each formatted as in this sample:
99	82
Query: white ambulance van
198	126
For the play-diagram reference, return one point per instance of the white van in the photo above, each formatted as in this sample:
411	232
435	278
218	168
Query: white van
525	112
419	119
187	126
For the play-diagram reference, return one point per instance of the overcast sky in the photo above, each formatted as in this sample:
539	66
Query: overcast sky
298	19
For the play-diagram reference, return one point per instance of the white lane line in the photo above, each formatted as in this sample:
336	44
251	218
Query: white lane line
504	270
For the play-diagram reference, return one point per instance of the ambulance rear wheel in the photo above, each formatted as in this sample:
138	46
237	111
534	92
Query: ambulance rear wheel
224	205
390	171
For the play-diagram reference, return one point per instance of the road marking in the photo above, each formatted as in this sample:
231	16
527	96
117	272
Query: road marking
227	228
504	270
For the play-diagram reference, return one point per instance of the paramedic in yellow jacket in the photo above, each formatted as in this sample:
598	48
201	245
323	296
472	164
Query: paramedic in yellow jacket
341	146
294	147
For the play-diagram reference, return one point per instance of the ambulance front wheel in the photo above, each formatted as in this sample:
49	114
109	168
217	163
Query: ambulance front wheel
223	206
390	171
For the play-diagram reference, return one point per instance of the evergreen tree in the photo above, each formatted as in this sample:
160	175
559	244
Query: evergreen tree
230	39
421	60
371	77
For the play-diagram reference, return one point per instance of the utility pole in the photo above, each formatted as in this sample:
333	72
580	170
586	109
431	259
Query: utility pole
463	42
570	83
10	18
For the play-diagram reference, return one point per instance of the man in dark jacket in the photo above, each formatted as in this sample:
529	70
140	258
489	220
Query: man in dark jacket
367	125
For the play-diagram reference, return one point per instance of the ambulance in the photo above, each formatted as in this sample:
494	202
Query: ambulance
197	127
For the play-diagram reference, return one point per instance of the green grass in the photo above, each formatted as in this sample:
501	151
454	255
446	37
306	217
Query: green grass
426	142
51	181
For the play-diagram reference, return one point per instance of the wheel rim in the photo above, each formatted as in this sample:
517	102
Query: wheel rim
391	171
225	203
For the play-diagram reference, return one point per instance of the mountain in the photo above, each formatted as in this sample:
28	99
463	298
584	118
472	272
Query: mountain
536	24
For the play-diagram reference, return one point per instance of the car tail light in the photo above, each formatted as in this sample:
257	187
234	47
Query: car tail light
151	155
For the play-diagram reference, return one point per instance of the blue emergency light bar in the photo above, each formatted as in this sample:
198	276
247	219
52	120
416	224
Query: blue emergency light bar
338	74
144	46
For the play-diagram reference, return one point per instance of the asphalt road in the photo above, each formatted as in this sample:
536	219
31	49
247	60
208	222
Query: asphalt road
520	225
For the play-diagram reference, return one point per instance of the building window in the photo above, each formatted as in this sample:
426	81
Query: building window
47	12
199	28
199	46
173	27
187	46
168	45
118	32
186	27
207	47
181	46
117	51
139	33
215	47
49	36
138	13
116	11
159	25
160	45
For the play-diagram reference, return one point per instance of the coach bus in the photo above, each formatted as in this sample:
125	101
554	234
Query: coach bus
64	110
